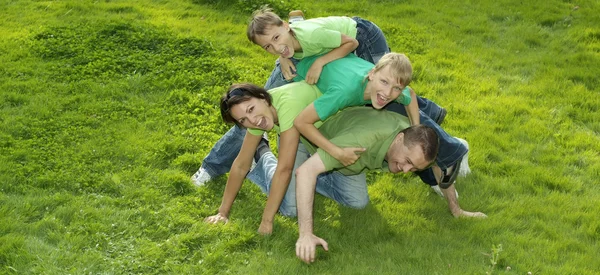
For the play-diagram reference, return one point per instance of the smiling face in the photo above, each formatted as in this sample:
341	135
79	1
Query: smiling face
383	87
278	40
401	158
255	113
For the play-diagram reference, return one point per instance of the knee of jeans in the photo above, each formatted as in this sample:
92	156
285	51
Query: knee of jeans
288	209
358	203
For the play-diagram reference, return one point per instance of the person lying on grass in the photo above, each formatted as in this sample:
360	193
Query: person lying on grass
392	145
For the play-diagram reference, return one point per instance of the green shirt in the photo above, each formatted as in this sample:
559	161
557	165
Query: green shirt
361	127
342	83
289	100
321	35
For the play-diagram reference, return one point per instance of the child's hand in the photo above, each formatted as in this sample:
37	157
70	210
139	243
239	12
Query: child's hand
314	73
349	155
265	228
287	68
216	218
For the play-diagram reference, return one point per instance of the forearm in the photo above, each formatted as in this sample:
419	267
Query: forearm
412	109
305	194
234	184
337	53
450	195
279	185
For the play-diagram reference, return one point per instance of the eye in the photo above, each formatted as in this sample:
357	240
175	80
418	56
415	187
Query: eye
384	82
276	37
241	121
397	89
267	47
251	109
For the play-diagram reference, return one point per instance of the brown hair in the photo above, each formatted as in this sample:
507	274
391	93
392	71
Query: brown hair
239	93
262	20
400	67
424	137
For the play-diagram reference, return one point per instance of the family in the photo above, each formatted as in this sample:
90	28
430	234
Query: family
340	104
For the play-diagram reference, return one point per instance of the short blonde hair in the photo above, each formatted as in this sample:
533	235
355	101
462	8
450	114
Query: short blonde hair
400	67
262	20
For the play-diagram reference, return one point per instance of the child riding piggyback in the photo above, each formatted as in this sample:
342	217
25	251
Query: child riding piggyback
334	37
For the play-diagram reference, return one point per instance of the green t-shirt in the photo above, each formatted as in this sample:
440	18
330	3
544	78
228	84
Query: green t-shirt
361	127
321	35
342	83
289	100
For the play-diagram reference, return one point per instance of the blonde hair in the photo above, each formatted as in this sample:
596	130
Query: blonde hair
400	67
262	19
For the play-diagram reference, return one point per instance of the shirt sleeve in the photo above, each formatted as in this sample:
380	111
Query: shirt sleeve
404	97
333	100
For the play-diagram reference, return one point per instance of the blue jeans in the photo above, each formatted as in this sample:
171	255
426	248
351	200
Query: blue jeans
371	41
347	190
451	150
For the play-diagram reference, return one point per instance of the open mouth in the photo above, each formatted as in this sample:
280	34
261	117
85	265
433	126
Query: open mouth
285	51
262	123
381	100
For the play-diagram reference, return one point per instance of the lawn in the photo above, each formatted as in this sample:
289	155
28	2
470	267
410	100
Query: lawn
108	107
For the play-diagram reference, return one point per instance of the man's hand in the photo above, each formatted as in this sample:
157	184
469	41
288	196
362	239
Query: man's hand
306	246
216	218
265	228
287	68
349	155
467	214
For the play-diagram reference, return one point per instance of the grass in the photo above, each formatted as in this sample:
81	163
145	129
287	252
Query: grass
108	107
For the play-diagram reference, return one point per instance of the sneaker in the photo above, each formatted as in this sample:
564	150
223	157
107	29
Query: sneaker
464	163
441	116
460	168
200	177
295	15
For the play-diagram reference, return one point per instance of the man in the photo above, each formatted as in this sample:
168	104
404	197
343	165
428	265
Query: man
391	146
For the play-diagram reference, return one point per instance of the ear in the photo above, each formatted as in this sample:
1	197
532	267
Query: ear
286	25
371	73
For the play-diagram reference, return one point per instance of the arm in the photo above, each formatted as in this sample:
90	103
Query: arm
239	169
306	180
412	109
288	145
304	122
450	195
347	46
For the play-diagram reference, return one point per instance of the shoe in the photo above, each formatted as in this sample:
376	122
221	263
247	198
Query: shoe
295	15
461	168
464	163
441	116
200	177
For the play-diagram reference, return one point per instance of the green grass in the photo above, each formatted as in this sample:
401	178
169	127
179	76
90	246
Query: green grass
107	108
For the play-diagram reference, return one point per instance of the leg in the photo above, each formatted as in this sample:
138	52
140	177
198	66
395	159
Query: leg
221	156
349	191
371	41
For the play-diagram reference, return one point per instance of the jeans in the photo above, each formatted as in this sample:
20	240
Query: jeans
371	41
350	191
451	150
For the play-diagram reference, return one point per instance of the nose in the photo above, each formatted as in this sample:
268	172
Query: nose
407	168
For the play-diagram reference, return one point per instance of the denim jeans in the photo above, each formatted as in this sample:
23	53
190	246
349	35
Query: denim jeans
371	41
451	150
350	191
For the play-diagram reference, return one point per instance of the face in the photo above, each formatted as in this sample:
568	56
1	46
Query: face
254	113
403	159
383	87
278	41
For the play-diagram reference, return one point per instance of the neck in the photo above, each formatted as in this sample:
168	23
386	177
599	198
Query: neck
367	91
275	117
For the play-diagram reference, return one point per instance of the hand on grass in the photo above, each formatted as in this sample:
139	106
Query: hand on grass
349	155
216	219
306	247
467	214
265	228
287	68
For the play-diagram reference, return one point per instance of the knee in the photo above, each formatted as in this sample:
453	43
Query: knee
357	203
288	209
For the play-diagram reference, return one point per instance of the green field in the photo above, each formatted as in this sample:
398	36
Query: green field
108	107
